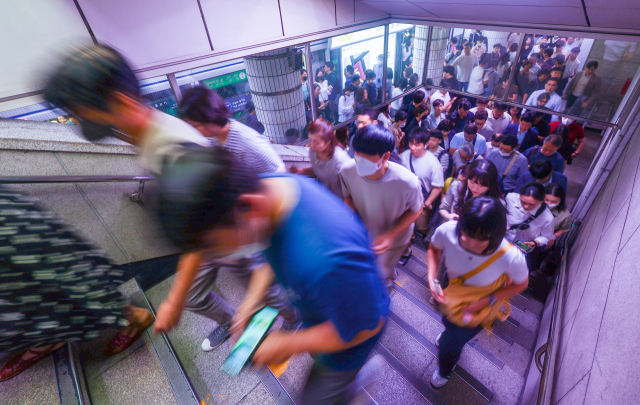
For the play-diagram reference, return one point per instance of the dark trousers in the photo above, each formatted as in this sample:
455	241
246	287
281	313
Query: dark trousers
571	100
326	386
452	342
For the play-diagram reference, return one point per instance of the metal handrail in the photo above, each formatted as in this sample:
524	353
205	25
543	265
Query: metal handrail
547	348
81	179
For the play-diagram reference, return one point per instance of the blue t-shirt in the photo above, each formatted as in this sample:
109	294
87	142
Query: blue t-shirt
533	155
322	252
479	143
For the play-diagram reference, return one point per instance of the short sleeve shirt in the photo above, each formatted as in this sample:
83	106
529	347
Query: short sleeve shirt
322	253
459	261
328	172
253	149
380	204
427	168
479	143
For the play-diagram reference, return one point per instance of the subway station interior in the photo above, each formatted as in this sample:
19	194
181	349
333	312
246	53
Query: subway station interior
570	338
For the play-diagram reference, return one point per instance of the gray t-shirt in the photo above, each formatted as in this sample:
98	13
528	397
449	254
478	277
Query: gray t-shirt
458	162
427	168
380	204
328	172
253	149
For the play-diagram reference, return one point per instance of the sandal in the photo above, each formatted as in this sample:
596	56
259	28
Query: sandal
17	365
405	257
121	342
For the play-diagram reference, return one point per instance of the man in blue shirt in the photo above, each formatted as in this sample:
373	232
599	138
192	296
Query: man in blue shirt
211	205
527	136
470	135
511	164
548	151
541	171
370	85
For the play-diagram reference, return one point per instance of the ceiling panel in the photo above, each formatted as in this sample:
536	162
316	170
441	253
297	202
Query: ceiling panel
489	3
614	18
32	32
399	8
611	4
233	24
365	12
519	14
295	15
148	31
346	11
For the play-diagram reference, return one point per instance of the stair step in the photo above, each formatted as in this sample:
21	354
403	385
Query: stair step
70	378
425	390
40	380
433	350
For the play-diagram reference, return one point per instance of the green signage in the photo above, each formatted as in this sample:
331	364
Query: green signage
225	80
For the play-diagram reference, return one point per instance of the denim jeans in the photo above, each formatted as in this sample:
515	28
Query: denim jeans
451	344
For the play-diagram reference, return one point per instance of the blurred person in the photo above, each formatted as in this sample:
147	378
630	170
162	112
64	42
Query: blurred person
362	100
455	52
548	151
463	156
494	57
510	163
386	196
434	146
555	102
503	87
469	135
446	99
529	221
540	125
484	269
484	128
462	117
420	116
408	72
476	78
389	84
321	106
536	84
547	59
452	44
513	51
523	77
481	104
61	119
378	68
326	157
557	73
347	103
465	64
576	133
527	47
543	99
583	89
436	116
348	73
57	288
399	122
559	49
541	171
370	86
366	116
397	91
334	84
480	179
325	89
292	136
535	67
498	118
479	48
543	39
494	143
252	120
449	74
427	168
213	205
355	79
384	118
342	137
503	65
304	76
417	100
571	64
555	199
407	54
447	134
526	135
515	113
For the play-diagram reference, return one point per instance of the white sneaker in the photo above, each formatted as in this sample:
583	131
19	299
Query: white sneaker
438	339
437	380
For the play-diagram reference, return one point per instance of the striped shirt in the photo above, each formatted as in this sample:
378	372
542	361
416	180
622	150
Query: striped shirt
251	148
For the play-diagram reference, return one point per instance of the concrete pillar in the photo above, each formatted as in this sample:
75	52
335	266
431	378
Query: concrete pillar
419	48
274	80
437	52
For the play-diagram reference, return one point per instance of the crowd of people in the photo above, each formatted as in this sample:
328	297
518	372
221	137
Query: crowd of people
483	188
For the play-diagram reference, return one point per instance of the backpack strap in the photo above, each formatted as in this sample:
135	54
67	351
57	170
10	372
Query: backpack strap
532	154
498	254
513	160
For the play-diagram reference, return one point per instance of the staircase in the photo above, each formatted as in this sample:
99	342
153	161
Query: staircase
173	369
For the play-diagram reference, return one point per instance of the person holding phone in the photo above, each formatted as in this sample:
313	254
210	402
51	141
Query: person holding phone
483	267
530	223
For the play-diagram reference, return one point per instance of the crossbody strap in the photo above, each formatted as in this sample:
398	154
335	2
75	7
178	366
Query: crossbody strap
530	219
498	254
513	160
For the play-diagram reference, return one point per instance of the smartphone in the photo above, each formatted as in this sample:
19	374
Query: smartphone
523	247
249	341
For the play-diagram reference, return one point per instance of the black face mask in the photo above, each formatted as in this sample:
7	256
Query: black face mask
320	79
94	132
304	78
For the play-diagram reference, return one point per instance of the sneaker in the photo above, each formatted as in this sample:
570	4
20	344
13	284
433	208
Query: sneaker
405	257
438	340
291	327
438	381
216	338
432	301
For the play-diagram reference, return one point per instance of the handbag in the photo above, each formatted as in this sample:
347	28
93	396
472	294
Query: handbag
459	296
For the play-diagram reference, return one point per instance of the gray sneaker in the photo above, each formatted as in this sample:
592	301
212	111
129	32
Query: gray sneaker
216	338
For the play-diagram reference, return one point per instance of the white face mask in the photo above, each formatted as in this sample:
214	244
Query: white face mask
552	205
403	124
567	121
365	167
503	154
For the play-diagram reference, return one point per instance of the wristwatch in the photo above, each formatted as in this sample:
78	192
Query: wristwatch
492	300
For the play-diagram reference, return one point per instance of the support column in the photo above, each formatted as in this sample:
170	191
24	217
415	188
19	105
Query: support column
419	48
274	80
437	52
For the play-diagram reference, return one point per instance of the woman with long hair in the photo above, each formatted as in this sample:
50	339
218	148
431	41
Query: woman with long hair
566	149
516	113
326	156
481	180
527	47
362	100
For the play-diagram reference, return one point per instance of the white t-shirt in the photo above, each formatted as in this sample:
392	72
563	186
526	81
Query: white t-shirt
380	204
439	96
163	138
427	168
459	261
540	229
476	85
499	125
571	67
328	172
396	105
465	65
384	120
